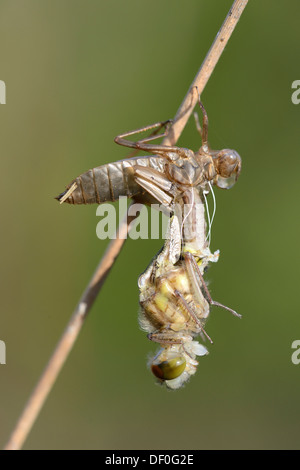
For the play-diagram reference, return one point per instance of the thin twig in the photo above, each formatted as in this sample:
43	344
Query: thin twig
80	313
205	71
68	338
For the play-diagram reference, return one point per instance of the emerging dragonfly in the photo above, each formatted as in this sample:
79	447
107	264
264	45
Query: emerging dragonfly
174	309
174	298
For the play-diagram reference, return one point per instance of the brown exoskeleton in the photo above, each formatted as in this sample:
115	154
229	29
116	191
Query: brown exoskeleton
174	298
151	178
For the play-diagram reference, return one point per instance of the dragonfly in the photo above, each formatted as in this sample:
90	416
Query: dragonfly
173	310
174	297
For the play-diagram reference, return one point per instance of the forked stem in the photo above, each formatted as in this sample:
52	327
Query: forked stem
80	313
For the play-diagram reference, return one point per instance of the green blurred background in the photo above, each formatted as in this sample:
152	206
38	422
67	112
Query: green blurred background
77	74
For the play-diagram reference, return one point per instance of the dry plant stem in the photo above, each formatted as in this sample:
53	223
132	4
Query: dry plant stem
68	339
205	71
76	322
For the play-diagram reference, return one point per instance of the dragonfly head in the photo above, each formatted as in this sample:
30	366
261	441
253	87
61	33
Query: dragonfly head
228	165
174	364
168	369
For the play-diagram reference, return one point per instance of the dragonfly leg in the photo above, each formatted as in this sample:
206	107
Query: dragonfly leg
204	131
164	338
152	136
185	306
197	122
143	144
198	282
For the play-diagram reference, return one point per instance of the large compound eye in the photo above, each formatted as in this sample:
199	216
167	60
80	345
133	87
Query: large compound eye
170	369
228	165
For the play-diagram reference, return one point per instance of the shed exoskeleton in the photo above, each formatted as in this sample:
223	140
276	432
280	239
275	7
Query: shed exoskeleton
174	298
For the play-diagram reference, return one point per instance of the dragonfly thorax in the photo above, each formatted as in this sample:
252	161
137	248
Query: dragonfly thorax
190	172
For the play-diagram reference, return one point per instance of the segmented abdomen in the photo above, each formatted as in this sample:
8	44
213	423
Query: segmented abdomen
109	182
